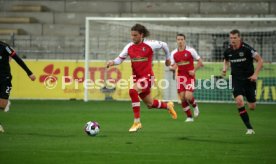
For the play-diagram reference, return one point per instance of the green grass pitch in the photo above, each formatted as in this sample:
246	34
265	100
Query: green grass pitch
47	132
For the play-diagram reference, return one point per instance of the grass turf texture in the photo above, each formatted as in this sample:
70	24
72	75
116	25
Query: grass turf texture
52	132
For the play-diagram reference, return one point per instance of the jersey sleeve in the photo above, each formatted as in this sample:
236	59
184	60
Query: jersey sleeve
20	62
253	52
225	55
194	54
157	45
10	51
172	57
123	55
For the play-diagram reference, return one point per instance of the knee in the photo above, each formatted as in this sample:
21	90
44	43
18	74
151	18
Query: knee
252	106
149	105
239	102
2	104
2	107
187	98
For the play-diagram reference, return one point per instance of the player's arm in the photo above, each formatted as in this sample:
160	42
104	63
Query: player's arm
199	62
166	50
226	65
123	55
156	45
259	66
173	65
20	62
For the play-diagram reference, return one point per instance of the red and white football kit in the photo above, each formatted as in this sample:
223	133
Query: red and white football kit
141	56
185	62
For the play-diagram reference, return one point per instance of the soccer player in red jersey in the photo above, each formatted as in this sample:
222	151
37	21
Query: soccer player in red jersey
6	53
141	52
182	58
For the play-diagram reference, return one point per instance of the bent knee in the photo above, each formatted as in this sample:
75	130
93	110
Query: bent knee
252	106
149	105
188	98
3	104
239	102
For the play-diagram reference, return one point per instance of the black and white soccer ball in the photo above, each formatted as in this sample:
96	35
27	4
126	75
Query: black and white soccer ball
92	128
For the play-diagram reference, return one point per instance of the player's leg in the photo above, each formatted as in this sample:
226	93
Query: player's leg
238	93
251	105
189	96
145	86
5	89
243	113
154	103
186	107
134	96
3	103
250	94
179	101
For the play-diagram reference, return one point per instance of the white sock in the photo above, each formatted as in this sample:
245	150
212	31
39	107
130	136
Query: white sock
136	120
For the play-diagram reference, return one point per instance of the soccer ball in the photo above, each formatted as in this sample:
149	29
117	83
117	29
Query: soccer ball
92	128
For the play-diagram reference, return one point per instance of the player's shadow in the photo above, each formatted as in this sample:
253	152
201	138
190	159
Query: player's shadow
209	140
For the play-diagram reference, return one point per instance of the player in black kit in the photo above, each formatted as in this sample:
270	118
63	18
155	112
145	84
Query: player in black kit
6	53
241	56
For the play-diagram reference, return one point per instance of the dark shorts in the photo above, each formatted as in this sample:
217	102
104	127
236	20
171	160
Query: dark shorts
5	87
246	88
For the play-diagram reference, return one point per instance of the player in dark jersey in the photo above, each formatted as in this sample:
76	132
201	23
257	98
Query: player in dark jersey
6	53
241	56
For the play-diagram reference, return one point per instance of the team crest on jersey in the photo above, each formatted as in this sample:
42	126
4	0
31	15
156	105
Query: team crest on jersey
144	49
241	54
185	55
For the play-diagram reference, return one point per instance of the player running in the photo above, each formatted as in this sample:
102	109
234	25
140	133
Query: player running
183	58
6	52
141	52
241	57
